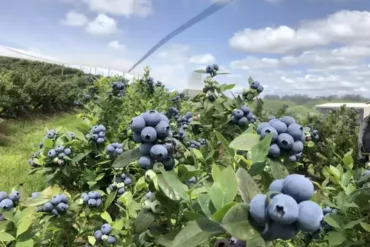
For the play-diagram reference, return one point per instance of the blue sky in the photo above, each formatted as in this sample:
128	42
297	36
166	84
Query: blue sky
314	47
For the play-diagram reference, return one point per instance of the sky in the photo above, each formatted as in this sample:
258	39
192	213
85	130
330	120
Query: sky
313	47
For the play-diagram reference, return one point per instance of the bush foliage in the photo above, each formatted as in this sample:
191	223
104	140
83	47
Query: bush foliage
100	194
29	86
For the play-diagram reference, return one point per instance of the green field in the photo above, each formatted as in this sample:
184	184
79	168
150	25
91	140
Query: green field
18	140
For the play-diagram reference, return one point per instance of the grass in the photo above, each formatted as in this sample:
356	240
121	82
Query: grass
18	140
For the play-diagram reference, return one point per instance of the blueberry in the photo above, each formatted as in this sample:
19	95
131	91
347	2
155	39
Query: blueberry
260	88
101	134
162	129
99	202
123	176
61	155
117	145
262	126
267	130
168	163
64	198
285	141
274	151
127	181
67	151
148	195
257	209
137	138
327	210
299	187
215	67
254	85
85	197
54	212
146	162
292	158
164	118
243	122
14	196
121	191
245	109
94	137
3	195
119	151
101	128
98	235
52	153
110	149
138	124
159	152
238	113
310	216
297	147
106	229
149	135
152	118
295	130
100	140
283	209
47	207
209	69
192	180
91	203
95	129
6	204
279	126
55	200
277	185
111	240
234	119
61	207
288	120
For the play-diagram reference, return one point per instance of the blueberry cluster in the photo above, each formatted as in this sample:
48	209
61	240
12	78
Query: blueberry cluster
243	116
114	149
34	155
159	84
198	144
118	88
151	203
288	210
60	152
150	83
256	86
57	205
288	137
314	134
104	234
119	183
212	69
179	96
97	134
93	199
149	128
173	112
184	121
7	202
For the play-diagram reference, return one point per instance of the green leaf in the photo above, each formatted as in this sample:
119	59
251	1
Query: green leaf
171	184
223	191
197	154
91	240
353	223
105	216
110	199
191	236
257	168
219	214
204	202
245	142
24	226
260	151
331	221
25	243
6	237
335	238
225	87
278	171
247	186
201	71
143	221
126	158
229	151
348	160
366	226
119	224
236	222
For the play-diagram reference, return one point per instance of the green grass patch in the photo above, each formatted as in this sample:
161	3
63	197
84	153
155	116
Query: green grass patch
18	140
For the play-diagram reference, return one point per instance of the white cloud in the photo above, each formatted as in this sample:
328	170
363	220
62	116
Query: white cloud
102	25
115	44
203	59
344	27
251	62
121	7
74	19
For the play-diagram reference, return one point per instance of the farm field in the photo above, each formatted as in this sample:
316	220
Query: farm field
132	164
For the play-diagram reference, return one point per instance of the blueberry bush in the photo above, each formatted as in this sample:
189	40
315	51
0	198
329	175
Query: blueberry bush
148	167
